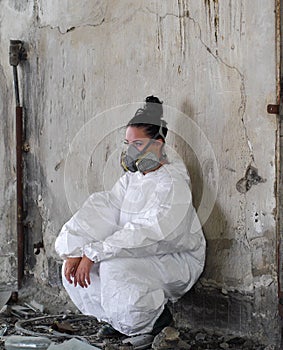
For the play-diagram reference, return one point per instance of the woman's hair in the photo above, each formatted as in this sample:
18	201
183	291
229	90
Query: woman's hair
150	119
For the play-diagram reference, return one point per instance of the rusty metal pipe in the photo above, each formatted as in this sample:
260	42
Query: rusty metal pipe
19	162
16	54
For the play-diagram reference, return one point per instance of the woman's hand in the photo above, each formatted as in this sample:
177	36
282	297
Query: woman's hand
82	277
71	266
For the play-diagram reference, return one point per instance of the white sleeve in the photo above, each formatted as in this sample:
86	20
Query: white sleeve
94	222
165	229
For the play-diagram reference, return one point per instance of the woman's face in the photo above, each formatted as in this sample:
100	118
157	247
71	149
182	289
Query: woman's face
138	138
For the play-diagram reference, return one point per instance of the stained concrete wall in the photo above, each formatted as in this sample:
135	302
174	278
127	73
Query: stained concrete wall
90	65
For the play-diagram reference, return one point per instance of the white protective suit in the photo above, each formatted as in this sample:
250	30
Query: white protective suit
143	245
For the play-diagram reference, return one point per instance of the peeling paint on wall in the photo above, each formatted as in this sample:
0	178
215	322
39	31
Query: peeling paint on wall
251	178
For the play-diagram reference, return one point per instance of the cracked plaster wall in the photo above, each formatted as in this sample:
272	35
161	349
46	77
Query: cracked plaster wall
204	58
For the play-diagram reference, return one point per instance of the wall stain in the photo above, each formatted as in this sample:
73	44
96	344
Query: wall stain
159	34
83	94
181	26
214	20
107	152
183	13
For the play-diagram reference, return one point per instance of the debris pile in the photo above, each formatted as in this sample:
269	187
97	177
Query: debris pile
30	324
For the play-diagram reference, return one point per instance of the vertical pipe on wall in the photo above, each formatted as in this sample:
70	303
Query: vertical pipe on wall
19	162
16	54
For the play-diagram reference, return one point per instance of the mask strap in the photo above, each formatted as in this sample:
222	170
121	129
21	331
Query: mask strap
150	142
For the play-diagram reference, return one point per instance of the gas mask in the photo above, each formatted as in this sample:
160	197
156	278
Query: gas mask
134	160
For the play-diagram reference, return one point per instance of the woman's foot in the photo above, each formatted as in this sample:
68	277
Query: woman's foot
107	331
164	320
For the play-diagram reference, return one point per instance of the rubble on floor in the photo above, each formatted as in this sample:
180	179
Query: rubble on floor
79	332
